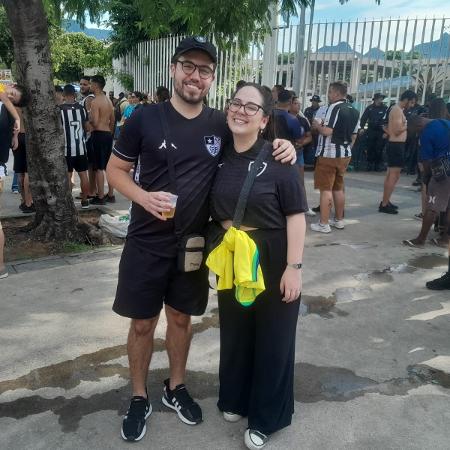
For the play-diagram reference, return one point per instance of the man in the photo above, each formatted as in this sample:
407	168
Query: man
86	99
311	111
396	131
17	96
434	145
102	121
21	168
74	120
275	91
112	98
337	132
148	274
373	116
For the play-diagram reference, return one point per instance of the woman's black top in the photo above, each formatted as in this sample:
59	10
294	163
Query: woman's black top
276	192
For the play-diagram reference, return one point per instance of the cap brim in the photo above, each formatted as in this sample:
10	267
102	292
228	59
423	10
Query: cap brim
201	49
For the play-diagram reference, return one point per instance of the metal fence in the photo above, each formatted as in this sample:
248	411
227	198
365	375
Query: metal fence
385	56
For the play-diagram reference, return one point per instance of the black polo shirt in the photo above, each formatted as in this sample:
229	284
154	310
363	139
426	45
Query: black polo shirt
6	133
197	144
275	194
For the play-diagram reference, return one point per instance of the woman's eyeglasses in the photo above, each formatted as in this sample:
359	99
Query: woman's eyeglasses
251	109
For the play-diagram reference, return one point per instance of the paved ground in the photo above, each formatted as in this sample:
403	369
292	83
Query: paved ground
373	350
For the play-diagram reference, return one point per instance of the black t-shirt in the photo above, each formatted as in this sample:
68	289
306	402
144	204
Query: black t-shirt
6	133
196	147
275	194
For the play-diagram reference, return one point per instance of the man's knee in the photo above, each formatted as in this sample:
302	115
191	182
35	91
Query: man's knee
143	327
177	318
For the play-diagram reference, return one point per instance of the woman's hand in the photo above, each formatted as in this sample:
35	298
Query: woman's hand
291	284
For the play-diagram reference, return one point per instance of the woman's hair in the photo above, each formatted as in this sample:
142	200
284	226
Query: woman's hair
438	109
267	108
162	93
138	95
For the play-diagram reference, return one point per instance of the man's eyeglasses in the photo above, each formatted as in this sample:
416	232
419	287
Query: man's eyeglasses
189	68
251	109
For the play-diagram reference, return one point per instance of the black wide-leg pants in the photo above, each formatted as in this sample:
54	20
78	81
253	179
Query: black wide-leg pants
257	345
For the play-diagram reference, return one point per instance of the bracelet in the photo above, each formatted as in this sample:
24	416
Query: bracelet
295	266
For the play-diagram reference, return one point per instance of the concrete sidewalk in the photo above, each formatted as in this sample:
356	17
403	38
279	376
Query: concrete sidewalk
373	350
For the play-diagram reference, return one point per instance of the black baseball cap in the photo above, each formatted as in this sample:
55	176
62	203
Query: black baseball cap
378	95
315	98
195	43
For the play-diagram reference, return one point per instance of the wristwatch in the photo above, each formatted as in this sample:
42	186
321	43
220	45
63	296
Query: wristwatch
295	266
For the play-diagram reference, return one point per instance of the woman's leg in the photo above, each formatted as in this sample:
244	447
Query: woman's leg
272	394
236	354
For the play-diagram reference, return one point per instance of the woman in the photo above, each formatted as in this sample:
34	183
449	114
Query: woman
258	342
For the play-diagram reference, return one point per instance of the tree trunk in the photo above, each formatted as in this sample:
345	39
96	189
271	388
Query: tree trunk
56	215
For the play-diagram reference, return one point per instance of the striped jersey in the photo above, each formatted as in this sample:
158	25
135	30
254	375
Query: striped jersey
344	120
73	117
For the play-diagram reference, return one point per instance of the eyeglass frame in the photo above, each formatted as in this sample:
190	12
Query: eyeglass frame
196	67
229	100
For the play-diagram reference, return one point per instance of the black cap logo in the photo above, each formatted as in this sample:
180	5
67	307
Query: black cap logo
200	39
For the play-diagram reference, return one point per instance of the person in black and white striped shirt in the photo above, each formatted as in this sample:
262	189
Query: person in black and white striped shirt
336	135
74	120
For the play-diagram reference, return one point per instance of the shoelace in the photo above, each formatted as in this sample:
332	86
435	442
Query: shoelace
182	396
138	407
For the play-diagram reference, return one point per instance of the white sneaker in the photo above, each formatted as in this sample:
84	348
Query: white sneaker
339	224
319	227
310	213
254	439
231	417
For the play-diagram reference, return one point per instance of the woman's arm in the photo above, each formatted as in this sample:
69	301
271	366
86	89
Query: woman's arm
291	281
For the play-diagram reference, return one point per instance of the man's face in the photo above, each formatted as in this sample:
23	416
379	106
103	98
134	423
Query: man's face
111	94
378	101
192	88
85	87
295	106
315	104
333	95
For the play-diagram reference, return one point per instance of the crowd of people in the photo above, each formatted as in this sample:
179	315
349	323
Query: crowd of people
238	180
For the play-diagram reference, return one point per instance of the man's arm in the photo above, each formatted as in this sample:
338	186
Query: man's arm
11	109
284	151
88	104
94	115
118	175
112	119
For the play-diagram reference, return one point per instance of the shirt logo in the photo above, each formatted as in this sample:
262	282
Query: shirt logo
432	200
261	170
212	144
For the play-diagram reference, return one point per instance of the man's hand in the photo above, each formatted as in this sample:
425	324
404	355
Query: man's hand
361	131
284	151
156	203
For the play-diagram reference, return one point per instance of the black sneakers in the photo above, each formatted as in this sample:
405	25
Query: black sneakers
133	425
388	209
180	401
440	284
98	201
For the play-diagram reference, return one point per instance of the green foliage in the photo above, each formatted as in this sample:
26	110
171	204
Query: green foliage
6	43
74	52
77	9
400	54
126	80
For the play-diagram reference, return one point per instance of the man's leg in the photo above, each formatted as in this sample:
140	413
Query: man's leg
427	222
392	177
326	202
84	184
26	190
178	341
339	204
140	350
100	179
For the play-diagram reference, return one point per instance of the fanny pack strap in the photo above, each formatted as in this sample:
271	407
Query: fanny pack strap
170	147
246	188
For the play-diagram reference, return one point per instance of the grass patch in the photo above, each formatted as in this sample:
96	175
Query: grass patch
75	247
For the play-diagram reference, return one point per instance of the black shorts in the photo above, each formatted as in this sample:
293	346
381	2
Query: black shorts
77	163
101	149
147	281
395	153
90	151
20	155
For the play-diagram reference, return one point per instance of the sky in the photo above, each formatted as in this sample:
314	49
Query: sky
360	9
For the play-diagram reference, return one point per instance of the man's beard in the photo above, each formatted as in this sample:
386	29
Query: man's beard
187	99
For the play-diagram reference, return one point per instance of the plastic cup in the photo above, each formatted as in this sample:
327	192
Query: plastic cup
173	204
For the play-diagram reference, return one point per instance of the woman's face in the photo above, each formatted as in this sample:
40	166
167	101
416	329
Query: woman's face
244	121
